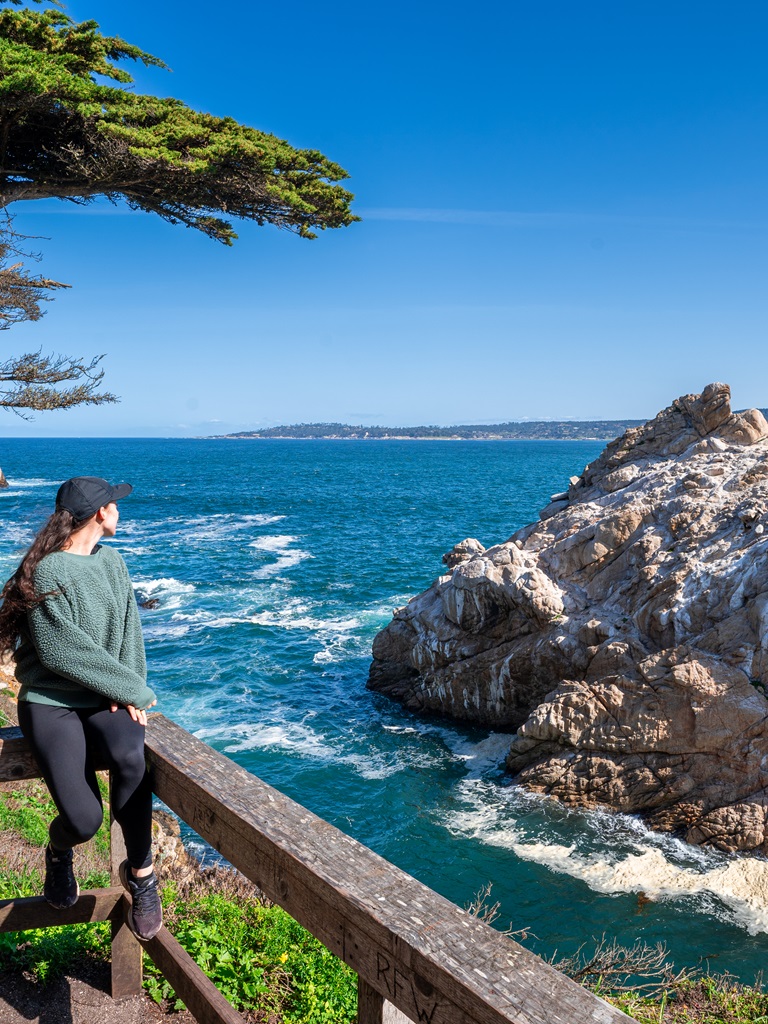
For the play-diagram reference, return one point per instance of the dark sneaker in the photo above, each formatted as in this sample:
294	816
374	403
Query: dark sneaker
146	916
61	888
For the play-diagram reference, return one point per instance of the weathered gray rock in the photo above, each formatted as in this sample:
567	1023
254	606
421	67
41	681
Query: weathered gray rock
624	636
462	551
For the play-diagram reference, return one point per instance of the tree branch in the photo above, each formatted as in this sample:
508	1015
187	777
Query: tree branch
31	381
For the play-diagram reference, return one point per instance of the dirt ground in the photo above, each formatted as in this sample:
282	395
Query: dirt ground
82	997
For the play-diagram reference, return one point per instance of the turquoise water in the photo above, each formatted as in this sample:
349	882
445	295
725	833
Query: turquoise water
274	564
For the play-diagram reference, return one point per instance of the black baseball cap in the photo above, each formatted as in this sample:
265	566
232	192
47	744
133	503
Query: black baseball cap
83	496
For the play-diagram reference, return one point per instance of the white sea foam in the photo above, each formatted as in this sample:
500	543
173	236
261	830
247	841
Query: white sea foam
17	535
297	614
196	615
615	854
740	885
164	631
300	739
273	543
343	638
32	482
130	529
195	529
221	525
167	590
381	766
337	636
478	755
281	546
294	736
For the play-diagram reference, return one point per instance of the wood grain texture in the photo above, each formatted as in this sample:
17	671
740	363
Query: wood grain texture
204	1001
430	959
126	967
35	912
17	760
373	1008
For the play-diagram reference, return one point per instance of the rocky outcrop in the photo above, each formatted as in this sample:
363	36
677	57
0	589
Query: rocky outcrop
624	635
3	481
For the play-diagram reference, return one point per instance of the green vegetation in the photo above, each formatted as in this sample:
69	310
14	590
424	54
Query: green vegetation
710	1000
272	969
48	953
255	953
26	809
257	956
72	128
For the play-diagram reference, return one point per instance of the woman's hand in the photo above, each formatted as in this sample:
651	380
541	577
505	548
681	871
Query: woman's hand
137	714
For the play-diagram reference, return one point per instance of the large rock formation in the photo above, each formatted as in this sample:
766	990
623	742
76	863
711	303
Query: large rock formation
3	481
623	635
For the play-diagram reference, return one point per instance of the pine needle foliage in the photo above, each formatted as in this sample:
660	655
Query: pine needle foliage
72	129
33	380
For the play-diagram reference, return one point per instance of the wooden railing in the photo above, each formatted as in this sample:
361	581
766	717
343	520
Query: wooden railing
415	953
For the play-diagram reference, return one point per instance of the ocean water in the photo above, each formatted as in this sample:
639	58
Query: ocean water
274	564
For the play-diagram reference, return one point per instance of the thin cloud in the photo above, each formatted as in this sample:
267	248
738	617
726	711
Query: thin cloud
537	219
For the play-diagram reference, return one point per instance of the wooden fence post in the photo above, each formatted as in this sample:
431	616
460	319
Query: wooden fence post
126	949
373	1008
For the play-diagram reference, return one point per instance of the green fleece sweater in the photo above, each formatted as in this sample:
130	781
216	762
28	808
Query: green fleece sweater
83	643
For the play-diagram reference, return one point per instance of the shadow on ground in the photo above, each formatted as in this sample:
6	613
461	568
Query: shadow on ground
81	997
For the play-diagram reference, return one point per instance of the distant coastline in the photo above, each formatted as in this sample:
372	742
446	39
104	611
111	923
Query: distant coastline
539	430
515	430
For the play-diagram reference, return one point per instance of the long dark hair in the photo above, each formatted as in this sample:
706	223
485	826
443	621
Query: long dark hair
19	593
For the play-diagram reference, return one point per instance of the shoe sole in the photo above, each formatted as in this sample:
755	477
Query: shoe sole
124	873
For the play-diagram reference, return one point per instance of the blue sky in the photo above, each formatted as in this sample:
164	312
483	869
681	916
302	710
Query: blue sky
564	216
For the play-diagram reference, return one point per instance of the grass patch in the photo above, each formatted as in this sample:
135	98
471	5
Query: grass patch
256	955
45	954
26	810
709	1000
641	981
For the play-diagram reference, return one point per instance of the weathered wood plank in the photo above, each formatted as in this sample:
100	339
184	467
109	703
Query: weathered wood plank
425	955
18	915
126	967
204	1001
373	1008
16	759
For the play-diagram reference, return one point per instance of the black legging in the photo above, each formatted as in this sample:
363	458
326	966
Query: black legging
64	741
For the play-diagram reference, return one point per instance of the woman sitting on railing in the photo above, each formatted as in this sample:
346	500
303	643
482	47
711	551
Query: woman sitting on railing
69	619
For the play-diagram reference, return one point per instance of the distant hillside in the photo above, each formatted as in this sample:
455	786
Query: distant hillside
550	430
533	430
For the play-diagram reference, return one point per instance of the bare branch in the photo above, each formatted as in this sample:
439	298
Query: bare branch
616	968
21	293
480	907
31	380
